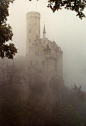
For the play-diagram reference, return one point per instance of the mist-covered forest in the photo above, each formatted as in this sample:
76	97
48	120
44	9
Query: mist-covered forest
67	108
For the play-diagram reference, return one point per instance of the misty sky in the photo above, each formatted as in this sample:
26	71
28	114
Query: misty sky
67	30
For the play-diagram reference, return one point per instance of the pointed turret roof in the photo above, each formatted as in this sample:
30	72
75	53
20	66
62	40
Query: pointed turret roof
44	29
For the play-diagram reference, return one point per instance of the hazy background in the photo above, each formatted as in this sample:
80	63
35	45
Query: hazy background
67	30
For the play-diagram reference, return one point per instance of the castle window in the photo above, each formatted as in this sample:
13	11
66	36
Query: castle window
29	30
35	17
43	62
29	40
37	62
35	23
47	46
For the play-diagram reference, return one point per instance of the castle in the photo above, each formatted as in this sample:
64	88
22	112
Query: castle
43	57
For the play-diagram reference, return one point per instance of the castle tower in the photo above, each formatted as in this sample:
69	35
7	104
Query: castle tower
33	29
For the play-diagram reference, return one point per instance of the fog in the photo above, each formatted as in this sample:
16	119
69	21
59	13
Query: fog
67	30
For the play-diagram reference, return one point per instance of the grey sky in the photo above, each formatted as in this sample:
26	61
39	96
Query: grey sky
64	27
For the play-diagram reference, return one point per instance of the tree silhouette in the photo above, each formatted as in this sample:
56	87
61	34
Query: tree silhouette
6	50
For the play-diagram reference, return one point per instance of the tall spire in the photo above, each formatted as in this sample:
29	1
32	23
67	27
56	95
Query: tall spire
44	32
36	5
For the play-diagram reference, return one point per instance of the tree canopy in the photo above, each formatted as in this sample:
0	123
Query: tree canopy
74	5
6	49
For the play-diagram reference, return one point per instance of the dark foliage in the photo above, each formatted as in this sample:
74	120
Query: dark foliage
74	5
6	50
68	110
